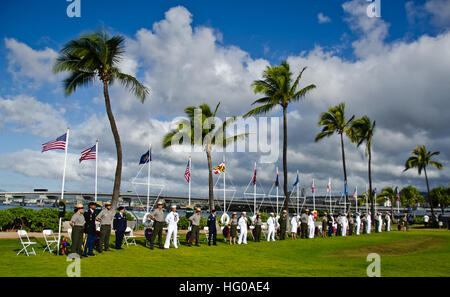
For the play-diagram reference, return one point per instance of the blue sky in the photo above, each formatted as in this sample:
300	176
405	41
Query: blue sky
263	32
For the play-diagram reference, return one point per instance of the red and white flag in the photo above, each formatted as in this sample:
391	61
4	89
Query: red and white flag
312	187
187	173
355	194
329	186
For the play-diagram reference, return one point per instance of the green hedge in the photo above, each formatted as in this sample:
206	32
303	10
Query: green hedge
29	219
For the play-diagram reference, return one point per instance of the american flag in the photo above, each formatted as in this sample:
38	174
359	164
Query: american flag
398	196
57	144
355	194
329	186
277	183
187	173
254	177
89	154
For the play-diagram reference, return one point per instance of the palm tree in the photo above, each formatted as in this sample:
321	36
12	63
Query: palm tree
334	121
390	193
96	56
362	130
201	129
279	89
421	158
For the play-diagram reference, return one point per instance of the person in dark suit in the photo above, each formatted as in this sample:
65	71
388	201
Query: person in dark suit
89	229
212	227
120	225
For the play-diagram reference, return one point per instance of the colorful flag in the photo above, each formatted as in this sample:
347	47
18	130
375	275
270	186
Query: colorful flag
254	178
145	158
276	180
296	181
398	196
187	173
355	194
312	187
329	186
57	144
220	168
375	191
89	154
345	189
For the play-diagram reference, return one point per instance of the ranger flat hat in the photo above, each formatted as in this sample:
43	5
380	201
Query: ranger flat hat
234	212
307	210
78	205
159	203
107	203
284	210
198	209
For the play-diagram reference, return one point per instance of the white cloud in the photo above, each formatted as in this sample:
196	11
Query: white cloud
27	63
323	18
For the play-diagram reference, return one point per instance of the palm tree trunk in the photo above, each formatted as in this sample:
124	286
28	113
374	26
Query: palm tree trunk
345	171
211	186
428	189
371	198
285	178
112	122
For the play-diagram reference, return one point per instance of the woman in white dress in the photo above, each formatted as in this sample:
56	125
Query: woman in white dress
294	226
311	225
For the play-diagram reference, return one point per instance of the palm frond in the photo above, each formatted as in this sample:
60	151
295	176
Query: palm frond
131	83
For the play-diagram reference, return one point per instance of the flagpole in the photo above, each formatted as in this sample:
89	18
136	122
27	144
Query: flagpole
367	205
62	187
148	177
96	169
298	215
278	184
190	175
329	192
314	197
356	198
345	194
254	195
224	186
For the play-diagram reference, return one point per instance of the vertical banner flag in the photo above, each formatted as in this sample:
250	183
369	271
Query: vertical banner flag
254	178
89	154
276	181
296	181
355	194
187	173
329	186
312	187
145	158
57	144
345	189
220	168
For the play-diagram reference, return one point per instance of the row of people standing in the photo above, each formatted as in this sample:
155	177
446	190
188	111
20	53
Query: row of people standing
84	228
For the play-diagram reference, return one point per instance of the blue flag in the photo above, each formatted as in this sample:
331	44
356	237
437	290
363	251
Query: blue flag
345	190
145	158
296	181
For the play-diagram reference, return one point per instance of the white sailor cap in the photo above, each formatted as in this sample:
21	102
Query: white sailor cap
173	206
272	214
244	212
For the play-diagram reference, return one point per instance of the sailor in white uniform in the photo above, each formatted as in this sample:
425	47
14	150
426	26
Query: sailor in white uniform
369	223
344	223
294	226
271	227
243	226
388	221
380	223
311	225
358	223
172	227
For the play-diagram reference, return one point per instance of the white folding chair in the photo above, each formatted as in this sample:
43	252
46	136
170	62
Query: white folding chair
206	229
264	230
49	241
251	231
129	236
25	241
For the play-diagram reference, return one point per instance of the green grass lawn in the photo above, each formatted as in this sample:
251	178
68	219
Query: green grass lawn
419	252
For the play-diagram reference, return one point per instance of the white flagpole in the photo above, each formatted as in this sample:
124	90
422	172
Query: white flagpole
329	192
356	198
345	198
254	195
96	169
277	192
298	215
314	197
367	205
224	186
62	187
190	175
148	177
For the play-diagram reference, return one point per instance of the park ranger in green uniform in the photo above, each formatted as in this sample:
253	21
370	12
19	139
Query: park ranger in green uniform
195	231
258	224
158	220
283	225
105	217
351	224
77	222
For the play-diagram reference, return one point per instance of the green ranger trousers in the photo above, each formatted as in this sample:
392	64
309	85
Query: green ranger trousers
77	240
105	233
195	233
257	232
282	233
157	230
350	229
